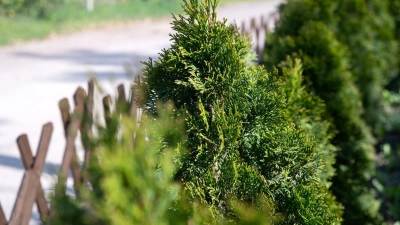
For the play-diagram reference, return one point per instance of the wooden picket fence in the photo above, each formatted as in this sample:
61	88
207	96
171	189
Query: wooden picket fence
257	29
79	120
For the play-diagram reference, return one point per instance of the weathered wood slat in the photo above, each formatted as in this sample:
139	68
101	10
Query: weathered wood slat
66	119
70	151
121	95
81	119
3	220
132	104
86	129
107	109
23	206
79	96
28	161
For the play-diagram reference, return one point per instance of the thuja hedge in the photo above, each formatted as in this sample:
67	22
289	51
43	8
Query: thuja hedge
366	28
394	6
309	30
250	133
257	150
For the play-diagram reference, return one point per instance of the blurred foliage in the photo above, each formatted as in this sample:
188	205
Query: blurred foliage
36	8
387	181
72	16
243	142
65	16
367	29
307	30
394	7
391	113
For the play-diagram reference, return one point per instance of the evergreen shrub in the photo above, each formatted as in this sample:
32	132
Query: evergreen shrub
367	29
307	31
131	180
394	7
242	141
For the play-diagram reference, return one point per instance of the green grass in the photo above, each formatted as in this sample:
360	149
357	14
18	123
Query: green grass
73	17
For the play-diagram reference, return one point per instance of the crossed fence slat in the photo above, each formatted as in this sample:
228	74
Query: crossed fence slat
28	160
80	120
30	186
74	165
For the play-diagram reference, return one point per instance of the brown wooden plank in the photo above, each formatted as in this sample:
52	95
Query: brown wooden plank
89	124
70	146
79	96
86	129
3	220
89	102
132	104
25	187
66	119
121	94
42	203
28	162
252	24
107	109
38	166
65	112
23	206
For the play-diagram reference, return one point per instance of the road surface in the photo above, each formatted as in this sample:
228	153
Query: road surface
34	76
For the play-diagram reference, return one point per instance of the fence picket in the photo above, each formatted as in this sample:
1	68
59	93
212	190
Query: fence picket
28	161
86	129
31	190
70	150
3	220
23	206
66	119
107	109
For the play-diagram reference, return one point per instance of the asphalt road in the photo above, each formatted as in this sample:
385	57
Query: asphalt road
34	76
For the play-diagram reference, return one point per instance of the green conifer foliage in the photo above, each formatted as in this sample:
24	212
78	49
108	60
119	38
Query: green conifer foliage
242	142
394	7
367	30
308	111
306	30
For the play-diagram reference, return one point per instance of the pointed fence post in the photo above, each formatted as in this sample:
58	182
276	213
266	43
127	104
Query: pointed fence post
22	211
28	161
66	119
107	109
86	127
70	150
132	104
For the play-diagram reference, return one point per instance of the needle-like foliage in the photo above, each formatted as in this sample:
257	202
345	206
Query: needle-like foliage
307	30
242	141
